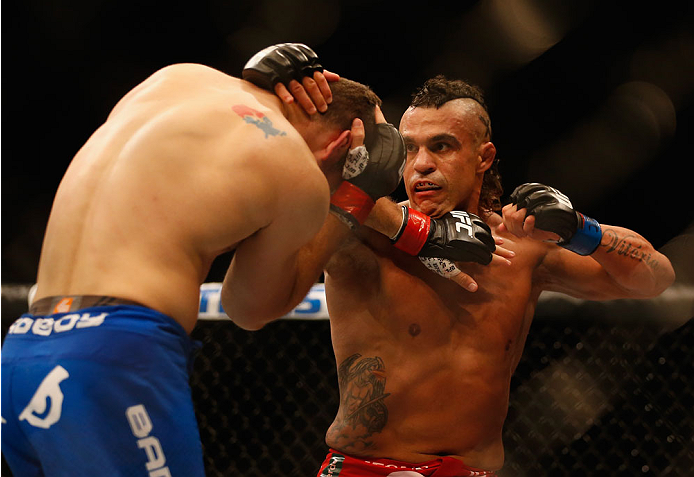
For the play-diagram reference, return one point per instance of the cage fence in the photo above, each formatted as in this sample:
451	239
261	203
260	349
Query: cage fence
591	395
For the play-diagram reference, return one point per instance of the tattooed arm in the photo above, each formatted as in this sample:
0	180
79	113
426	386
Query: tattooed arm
625	265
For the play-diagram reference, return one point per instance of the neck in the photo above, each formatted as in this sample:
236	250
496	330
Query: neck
472	202
266	98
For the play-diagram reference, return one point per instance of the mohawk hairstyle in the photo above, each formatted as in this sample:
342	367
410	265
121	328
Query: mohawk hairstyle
439	90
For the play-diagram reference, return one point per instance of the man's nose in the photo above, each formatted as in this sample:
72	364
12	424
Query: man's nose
423	162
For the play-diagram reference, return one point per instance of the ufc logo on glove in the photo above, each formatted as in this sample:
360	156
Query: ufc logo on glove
464	222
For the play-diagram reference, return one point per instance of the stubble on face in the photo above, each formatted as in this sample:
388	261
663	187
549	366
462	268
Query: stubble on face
445	141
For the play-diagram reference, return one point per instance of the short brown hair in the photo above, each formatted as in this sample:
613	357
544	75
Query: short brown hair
351	100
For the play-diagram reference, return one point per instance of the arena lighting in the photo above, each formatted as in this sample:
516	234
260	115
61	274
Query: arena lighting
637	120
507	34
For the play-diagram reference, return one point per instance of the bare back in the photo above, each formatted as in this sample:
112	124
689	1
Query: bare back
425	367
188	164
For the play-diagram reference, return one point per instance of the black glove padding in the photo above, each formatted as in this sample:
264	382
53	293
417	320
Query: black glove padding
281	63
552	210
461	237
386	162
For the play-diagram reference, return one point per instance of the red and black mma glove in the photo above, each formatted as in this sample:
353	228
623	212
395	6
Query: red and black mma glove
456	236
281	63
370	172
554	213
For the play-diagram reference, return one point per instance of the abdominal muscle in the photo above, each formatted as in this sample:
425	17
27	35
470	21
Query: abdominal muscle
441	357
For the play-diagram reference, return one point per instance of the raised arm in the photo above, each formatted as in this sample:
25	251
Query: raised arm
265	279
591	261
281	259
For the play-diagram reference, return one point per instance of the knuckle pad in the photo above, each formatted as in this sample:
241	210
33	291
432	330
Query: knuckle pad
281	63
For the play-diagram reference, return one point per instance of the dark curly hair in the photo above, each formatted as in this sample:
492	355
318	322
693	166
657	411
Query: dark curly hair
437	91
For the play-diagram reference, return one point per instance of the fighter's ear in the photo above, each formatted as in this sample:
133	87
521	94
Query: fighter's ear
486	155
335	150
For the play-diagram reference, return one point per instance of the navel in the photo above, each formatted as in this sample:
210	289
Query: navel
414	329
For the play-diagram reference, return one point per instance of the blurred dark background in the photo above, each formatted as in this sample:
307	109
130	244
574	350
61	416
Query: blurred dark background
593	97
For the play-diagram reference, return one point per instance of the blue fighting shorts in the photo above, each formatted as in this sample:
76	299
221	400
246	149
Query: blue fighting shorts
99	391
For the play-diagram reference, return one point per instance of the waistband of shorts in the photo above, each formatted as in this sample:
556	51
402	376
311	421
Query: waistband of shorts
439	467
66	303
118	333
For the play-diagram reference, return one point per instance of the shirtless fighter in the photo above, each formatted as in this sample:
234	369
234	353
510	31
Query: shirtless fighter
424	366
189	164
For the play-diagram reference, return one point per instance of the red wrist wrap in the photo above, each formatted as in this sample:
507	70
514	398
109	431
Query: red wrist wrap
415	234
351	199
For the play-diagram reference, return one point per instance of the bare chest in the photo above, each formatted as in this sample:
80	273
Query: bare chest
420	309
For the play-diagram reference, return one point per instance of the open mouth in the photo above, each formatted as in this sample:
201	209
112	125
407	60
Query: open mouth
423	186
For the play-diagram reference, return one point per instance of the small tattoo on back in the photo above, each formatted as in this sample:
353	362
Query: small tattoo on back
262	122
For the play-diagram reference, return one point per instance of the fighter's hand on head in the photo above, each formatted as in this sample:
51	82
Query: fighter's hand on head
543	213
373	169
312	94
293	72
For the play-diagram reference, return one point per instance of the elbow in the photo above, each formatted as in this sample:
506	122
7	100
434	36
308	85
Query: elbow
244	317
249	325
660	281
666	281
253	318
249	319
663	277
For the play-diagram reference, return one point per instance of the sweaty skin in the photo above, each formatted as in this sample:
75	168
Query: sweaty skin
447	355
188	164
424	366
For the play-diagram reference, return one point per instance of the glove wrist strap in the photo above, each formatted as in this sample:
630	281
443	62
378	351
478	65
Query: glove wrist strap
587	238
405	216
351	204
415	233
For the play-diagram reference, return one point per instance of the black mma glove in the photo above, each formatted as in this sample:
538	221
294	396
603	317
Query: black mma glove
281	63
554	213
370	172
457	236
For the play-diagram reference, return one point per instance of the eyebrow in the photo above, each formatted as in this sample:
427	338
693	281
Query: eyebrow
444	137
436	138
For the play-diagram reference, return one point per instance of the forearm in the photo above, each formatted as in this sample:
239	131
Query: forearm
632	262
386	217
251	302
275	287
314	256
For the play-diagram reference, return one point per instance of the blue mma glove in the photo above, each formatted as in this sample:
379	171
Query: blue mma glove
554	213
